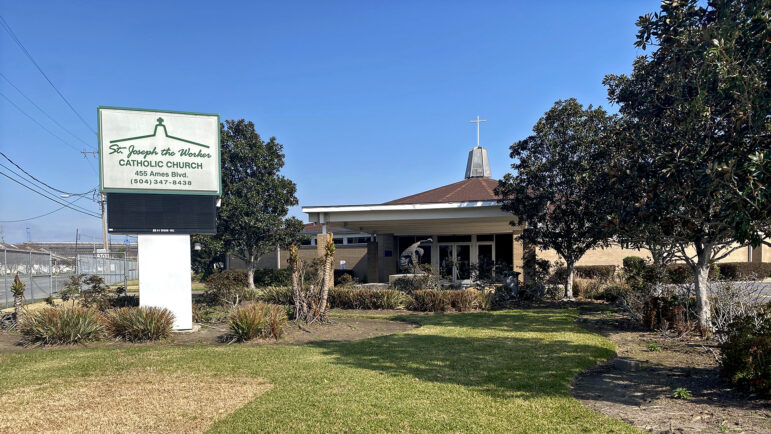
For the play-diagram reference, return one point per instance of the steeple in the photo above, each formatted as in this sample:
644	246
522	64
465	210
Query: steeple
478	165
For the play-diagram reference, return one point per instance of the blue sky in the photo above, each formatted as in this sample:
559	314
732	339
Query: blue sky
372	100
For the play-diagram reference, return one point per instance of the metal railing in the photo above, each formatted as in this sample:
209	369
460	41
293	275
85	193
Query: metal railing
45	275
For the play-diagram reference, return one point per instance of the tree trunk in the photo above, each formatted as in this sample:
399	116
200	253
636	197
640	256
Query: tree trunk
701	284
17	306
329	256
300	307
251	265
569	282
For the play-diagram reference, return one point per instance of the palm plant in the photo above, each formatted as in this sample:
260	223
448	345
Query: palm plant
17	289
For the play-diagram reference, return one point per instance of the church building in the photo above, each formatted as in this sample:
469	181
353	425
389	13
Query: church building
460	225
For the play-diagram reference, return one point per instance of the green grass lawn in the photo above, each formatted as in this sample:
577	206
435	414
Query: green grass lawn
133	286
502	371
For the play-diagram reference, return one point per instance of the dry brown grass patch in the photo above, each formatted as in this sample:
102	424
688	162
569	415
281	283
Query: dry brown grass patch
133	401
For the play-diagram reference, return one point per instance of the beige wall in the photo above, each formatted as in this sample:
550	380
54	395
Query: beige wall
355	257
615	254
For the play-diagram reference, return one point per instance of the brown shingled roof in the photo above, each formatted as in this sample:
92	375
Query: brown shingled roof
468	190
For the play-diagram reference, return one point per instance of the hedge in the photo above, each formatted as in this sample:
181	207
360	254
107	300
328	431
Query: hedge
744	270
433	300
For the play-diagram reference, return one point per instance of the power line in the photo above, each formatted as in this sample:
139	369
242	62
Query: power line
38	123
43	111
50	198
29	56
39	181
90	164
41	215
33	185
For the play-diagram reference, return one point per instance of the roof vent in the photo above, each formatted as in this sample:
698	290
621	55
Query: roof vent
478	165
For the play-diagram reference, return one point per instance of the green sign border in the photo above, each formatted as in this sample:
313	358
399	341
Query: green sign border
157	191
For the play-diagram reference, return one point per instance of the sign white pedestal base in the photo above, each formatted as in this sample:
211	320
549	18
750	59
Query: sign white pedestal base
164	276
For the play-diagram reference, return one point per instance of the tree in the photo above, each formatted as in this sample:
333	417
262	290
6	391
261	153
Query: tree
210	256
696	119
255	197
17	289
559	188
310	302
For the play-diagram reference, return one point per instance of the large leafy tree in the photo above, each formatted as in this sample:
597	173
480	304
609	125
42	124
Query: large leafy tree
210	255
559	187
255	196
696	124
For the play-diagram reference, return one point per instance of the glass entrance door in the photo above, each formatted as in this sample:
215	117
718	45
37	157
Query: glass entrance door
446	262
455	261
462	261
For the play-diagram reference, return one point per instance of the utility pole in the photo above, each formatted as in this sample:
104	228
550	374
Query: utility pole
104	224
103	199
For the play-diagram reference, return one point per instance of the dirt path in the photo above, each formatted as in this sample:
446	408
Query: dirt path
643	397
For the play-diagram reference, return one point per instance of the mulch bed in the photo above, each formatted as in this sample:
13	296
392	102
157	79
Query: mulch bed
339	329
643	396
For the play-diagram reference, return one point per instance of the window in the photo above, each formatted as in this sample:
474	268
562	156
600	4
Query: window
486	237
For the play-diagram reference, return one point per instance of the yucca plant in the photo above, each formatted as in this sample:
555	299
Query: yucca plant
276	319
258	320
62	325
17	289
138	324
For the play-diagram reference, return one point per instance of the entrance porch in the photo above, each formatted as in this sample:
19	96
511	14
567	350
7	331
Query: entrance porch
466	237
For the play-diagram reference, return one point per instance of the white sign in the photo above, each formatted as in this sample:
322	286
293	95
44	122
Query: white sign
149	151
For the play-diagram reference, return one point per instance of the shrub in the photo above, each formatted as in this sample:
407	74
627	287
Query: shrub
599	272
270	277
430	300
681	393
416	283
462	300
611	292
226	287
64	325
667	312
344	277
744	270
746	352
730	301
209	314
679	274
138	324
483	300
344	298
275	295
258	320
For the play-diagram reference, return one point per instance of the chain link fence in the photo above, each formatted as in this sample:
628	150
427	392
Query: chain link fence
45	275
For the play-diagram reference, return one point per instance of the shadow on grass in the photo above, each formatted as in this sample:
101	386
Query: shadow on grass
482	351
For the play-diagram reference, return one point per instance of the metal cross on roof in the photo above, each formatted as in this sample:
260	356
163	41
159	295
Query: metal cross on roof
478	121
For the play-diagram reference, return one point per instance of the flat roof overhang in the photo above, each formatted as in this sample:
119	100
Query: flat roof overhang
417	219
